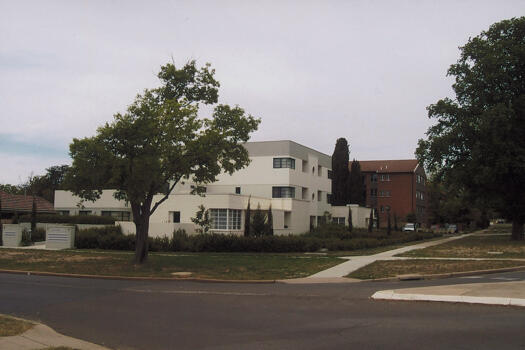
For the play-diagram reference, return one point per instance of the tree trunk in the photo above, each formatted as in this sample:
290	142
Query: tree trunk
141	241
517	230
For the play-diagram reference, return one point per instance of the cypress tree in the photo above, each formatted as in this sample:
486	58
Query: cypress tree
33	216
356	184
259	222
350	225
1	227
247	224
388	227
340	173
371	220
269	222
395	223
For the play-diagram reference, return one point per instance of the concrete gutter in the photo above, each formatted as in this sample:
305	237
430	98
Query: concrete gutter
498	293
132	278
41	337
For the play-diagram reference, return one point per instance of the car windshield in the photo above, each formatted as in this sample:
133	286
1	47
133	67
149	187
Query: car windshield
409	225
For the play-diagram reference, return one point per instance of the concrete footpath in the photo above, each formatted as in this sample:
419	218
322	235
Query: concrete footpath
357	262
497	293
41	337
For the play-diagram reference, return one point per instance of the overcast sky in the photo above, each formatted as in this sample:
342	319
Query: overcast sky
313	71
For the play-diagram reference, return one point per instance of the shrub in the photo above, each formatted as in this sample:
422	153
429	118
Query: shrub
73	219
26	238
38	235
333	240
109	237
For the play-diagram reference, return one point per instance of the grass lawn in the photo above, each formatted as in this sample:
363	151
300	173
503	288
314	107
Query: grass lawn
477	246
236	266
393	268
10	326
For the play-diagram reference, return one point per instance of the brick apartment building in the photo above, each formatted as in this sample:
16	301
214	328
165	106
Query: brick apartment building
395	185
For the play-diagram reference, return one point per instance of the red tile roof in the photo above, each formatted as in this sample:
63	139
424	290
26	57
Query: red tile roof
389	166
23	203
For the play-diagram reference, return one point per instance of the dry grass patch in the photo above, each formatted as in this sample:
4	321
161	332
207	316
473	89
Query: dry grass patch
475	246
235	266
10	326
393	268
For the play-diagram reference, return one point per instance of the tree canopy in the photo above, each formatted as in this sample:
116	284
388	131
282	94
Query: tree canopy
478	142
159	141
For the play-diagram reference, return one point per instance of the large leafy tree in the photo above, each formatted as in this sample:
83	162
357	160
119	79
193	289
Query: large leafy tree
340	173
478	142
159	141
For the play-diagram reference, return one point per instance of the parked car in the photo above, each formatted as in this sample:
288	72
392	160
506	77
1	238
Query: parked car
409	227
452	229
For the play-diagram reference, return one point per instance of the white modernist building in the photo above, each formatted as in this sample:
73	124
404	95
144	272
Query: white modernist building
293	179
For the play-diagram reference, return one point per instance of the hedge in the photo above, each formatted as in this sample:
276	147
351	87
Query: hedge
113	238
70	219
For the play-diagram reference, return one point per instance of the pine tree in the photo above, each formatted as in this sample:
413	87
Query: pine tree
247	220
269	222
340	173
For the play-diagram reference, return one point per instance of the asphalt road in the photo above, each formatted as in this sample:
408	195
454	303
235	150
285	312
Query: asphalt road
191	315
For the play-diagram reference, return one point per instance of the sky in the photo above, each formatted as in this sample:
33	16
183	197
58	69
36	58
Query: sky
313	71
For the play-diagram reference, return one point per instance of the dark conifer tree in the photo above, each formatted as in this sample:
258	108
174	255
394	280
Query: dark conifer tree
371	220
33	216
350	224
356	184
247	224
340	173
269	218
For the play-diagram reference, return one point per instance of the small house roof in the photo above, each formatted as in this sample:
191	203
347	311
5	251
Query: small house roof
24	203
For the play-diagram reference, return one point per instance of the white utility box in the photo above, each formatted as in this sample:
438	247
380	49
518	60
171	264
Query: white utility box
60	237
11	235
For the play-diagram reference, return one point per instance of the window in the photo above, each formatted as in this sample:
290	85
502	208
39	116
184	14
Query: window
63	212
237	190
329	174
339	221
305	166
373	178
382	209
175	216
234	219
420	179
373	192
387	207
329	198
384	193
284	163
320	170
420	195
118	215
283	192
385	177
219	219
319	196
225	219
84	212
